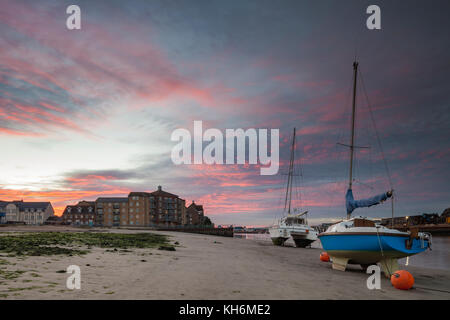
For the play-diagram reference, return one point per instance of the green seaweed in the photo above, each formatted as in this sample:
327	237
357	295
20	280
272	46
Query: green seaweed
63	243
10	275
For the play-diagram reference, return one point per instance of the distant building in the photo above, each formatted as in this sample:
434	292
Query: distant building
111	211
81	214
323	227
33	213
158	208
53	220
166	208
139	209
3	211
194	214
421	219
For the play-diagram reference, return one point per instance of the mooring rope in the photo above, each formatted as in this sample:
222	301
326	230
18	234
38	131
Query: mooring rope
382	252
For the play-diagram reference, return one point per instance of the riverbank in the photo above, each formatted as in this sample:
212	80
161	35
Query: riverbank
202	267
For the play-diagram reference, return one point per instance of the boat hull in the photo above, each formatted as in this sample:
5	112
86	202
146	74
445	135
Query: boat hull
302	239
371	248
278	241
302	242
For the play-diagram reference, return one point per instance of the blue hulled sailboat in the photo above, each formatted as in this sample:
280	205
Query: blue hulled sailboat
359	240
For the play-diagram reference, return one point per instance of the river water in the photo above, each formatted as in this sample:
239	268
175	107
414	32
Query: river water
437	258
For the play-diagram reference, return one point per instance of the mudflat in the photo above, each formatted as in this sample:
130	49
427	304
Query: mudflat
201	267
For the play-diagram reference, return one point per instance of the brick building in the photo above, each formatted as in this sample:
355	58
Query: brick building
83	214
194	214
158	208
166	208
111	211
139	208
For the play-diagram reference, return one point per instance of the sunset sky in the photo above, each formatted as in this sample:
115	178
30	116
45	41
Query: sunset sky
88	113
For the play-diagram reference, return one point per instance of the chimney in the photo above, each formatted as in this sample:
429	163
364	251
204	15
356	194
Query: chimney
159	188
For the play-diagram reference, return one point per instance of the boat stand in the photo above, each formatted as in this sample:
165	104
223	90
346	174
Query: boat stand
339	263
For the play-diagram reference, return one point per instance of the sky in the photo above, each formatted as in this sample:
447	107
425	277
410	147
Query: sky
88	113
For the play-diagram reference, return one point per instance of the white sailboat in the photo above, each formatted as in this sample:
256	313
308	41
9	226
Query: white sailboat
292	224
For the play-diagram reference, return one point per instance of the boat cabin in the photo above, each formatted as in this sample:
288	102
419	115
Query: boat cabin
361	222
289	221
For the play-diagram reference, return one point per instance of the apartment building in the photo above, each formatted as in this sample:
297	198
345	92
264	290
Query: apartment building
33	213
81	214
111	212
158	208
138	208
166	208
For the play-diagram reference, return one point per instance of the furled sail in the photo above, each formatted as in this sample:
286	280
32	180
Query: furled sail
352	204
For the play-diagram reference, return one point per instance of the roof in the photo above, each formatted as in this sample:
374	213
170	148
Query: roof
198	207
83	204
117	199
139	194
161	193
26	205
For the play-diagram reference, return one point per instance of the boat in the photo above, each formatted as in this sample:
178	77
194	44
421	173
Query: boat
360	240
293	224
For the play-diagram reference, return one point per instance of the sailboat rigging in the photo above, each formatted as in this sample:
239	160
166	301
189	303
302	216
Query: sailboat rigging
292	225
360	240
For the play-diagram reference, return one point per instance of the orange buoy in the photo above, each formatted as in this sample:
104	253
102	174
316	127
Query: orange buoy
402	280
324	257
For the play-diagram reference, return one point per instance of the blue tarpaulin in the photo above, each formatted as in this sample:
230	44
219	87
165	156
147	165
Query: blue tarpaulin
352	204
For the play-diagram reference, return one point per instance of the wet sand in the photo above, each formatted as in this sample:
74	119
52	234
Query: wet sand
204	267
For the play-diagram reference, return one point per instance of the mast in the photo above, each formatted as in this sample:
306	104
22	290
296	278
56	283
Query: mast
355	72
290	174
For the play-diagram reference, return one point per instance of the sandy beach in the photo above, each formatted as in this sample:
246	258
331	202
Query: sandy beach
202	267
